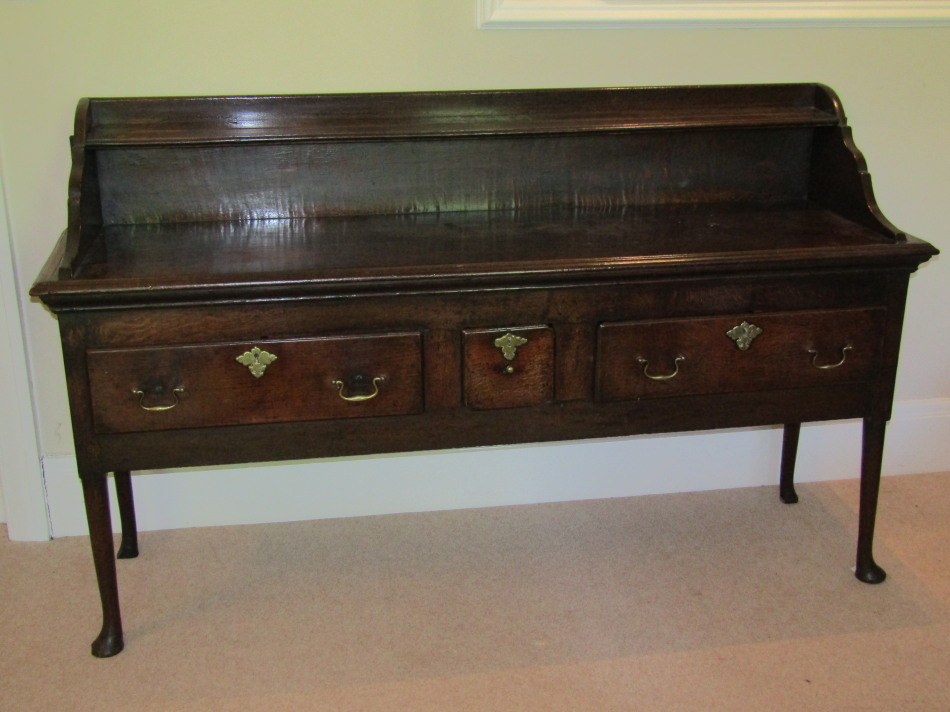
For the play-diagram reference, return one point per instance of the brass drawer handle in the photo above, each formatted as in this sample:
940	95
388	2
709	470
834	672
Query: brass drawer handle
676	369
158	408
358	399
814	358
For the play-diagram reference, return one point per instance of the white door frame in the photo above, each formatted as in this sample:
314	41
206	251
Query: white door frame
21	471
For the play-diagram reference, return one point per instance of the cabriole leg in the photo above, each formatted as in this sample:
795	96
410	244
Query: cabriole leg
96	498
129	546
872	452
786	485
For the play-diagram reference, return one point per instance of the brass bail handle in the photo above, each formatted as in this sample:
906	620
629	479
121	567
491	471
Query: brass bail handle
158	408
663	377
828	366
357	399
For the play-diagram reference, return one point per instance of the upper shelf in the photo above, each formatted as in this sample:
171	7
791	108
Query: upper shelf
230	169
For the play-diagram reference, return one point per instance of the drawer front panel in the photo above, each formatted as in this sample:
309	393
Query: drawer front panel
508	368
164	388
737	353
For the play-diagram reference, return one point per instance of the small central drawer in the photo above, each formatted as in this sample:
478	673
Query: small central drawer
163	388
508	368
731	354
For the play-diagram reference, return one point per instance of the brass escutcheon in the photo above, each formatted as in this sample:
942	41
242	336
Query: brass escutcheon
257	360
744	334
509	345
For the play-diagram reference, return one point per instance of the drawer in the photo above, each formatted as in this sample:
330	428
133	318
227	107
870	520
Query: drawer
201	385
508	368
673	357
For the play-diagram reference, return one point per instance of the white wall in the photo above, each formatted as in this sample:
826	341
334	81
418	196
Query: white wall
24	507
895	85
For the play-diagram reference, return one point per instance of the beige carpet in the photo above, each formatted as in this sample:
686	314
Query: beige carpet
710	601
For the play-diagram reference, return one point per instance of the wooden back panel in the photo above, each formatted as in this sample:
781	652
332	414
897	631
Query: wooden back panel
303	179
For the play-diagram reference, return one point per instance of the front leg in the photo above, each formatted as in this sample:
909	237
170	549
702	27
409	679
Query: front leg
872	455
109	642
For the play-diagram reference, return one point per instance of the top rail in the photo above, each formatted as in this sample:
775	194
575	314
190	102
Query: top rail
338	117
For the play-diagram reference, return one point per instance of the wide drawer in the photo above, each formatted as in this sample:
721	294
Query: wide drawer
200	385
692	356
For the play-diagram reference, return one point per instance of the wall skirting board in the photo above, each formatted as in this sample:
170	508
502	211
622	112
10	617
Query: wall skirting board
344	487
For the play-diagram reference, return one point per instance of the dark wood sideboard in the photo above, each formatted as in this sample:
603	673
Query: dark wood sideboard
262	278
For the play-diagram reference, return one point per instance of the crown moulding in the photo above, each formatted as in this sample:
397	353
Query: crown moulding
606	14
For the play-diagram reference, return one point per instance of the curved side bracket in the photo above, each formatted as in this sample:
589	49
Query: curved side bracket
840	181
83	209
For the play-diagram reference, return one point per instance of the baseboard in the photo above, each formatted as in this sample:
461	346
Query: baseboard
481	477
